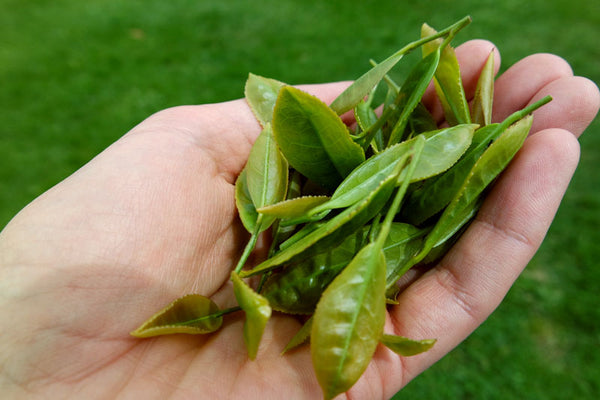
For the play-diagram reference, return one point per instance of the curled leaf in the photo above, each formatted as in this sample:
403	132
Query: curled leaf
448	82
405	346
245	206
193	314
257	311
481	108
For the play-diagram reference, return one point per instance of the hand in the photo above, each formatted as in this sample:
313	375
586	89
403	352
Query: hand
152	218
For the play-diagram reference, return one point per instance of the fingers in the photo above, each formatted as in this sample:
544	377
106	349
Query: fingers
515	88
575	99
451	300
575	104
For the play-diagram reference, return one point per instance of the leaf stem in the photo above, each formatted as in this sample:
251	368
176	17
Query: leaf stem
517	115
369	134
452	29
250	245
412	160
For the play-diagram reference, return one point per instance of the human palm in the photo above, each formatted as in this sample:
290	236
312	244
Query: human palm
153	218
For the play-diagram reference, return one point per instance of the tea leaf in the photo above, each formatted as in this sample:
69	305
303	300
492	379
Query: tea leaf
421	120
361	87
412	91
442	149
297	288
313	138
481	108
486	169
405	346
266	171
403	243
348	322
437	192
261	94
294	207
245	206
320	238
301	337
448	82
257	311
193	314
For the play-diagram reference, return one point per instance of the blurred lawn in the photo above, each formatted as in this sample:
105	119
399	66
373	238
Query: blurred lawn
76	75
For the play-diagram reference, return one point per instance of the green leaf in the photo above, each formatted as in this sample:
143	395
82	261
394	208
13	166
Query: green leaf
261	94
421	120
348	322
361	87
481	108
297	288
491	163
193	314
405	346
448	82
257	311
412	91
404	242
364	115
301	337
313	138
435	193
245	206
294	207
442	149
323	236
266	171
262	182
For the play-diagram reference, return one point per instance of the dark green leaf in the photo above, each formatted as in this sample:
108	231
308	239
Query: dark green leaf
421	120
297	288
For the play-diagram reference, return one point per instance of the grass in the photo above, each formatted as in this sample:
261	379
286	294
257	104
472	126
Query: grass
75	76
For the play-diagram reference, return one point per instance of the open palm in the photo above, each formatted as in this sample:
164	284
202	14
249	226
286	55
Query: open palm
153	218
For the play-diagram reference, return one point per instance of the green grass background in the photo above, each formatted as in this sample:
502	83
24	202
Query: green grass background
76	75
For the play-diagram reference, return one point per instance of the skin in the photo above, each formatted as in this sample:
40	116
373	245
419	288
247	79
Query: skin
152	218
